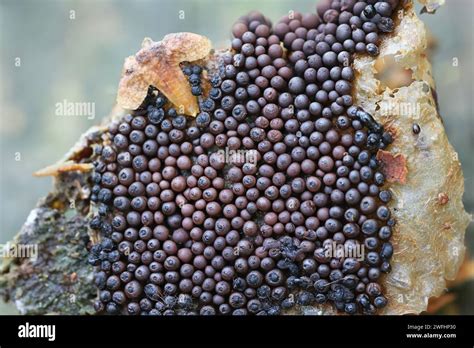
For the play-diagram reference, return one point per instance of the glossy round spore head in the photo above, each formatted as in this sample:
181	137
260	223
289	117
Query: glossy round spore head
245	208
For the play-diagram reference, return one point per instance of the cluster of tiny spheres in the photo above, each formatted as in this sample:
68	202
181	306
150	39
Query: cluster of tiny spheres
186	232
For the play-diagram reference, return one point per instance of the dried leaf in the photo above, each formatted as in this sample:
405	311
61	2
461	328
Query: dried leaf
157	64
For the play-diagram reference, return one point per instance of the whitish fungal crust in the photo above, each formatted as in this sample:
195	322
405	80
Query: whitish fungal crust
429	236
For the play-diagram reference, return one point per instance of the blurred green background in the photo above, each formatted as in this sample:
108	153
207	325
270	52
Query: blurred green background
55	50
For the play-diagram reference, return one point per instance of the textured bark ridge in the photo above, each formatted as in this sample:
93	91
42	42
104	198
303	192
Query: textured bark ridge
59	280
422	168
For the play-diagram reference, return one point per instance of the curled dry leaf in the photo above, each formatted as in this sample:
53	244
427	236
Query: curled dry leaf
157	64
